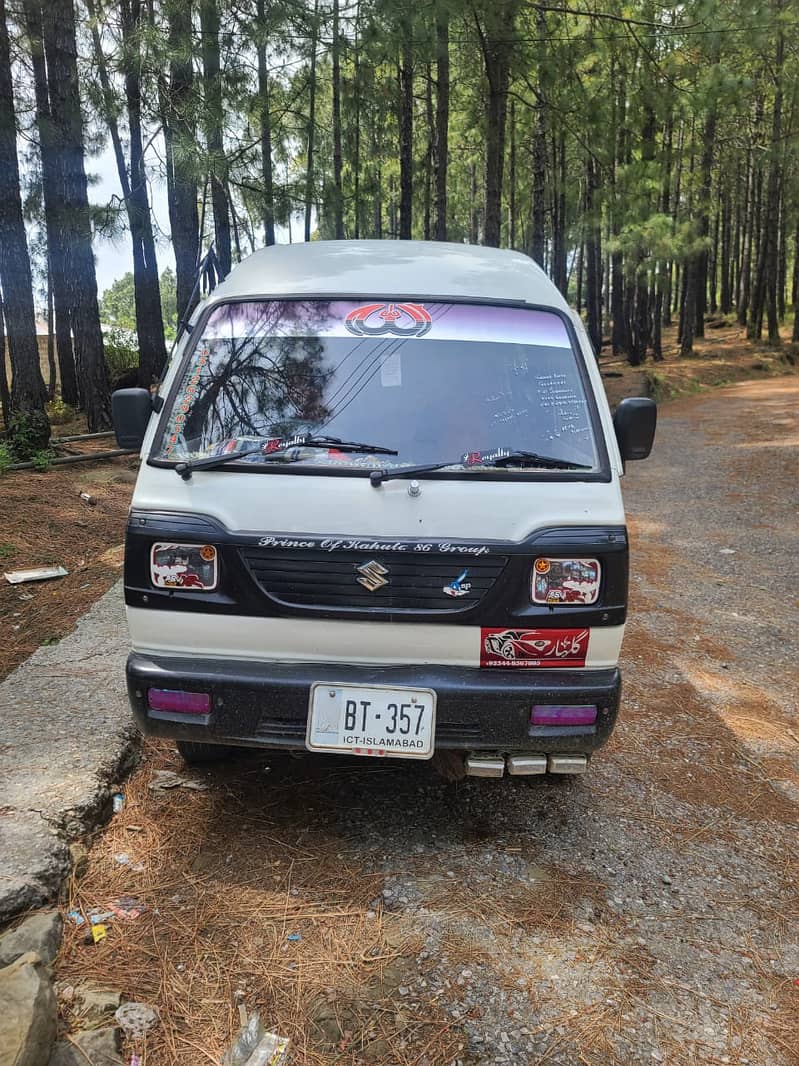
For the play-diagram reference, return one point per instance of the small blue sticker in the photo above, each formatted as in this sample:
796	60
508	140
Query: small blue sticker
460	586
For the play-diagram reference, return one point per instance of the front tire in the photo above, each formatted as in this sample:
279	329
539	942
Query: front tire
193	752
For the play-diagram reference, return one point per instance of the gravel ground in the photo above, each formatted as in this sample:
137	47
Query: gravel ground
645	913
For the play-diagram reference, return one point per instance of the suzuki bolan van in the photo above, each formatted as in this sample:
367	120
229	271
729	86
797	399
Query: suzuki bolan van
379	514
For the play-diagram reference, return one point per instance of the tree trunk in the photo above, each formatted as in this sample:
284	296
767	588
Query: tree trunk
474	219
725	304
441	144
538	243
700	272
764	294
593	256
51	161
782	263
496	43
428	155
338	191
744	274
688	310
265	124
405	115
713	269
67	126
28	393
214	117
311	128
5	395
512	178
180	134
51	365
620	335
147	291
559	251
356	134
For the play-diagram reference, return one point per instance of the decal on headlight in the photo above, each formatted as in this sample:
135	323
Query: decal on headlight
184	566
557	581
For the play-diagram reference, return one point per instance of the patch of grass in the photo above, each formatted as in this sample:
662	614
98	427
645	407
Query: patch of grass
6	458
59	412
660	387
43	459
6	550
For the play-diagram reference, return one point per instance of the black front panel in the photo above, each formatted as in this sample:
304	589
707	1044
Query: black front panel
265	574
266	704
321	579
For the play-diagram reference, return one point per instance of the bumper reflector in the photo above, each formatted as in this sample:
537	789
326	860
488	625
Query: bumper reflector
177	702
552	715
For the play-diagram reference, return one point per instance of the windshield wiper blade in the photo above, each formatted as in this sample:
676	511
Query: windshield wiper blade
522	458
377	477
346	445
210	462
185	469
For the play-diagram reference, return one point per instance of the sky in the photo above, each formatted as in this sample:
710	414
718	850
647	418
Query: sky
114	258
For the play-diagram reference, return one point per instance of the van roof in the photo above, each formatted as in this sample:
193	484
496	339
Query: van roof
431	270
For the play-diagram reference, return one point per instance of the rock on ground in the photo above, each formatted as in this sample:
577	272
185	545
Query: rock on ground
100	1047
28	1015
66	732
41	934
93	1004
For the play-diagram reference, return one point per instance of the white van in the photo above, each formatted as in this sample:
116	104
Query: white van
379	514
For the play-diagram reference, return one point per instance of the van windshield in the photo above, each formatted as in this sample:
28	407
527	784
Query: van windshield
435	382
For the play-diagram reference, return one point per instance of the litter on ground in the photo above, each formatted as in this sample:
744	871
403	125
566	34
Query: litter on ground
167	779
253	1046
39	573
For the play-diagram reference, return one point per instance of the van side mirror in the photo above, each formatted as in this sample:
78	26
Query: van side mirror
131	409
635	421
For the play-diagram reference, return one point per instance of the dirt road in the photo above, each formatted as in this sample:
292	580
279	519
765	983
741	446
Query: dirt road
647	912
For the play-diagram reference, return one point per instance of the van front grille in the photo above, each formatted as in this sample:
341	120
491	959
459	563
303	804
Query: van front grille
320	579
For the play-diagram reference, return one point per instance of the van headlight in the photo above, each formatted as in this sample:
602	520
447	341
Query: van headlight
189	567
564	581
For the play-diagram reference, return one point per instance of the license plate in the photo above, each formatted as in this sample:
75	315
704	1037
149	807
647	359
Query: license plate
364	720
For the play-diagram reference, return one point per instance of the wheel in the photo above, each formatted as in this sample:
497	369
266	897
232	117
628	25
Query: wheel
192	752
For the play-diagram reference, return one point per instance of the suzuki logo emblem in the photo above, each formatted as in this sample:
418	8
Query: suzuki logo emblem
372	575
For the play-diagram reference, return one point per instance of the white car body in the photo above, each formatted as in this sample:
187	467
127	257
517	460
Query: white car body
347	513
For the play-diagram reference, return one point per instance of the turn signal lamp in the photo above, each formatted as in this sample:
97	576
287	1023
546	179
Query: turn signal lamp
174	701
555	715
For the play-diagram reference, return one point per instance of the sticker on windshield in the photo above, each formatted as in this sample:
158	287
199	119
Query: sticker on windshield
484	458
533	647
391	370
394	319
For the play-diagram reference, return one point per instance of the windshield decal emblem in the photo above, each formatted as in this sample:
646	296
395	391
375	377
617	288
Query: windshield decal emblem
398	319
460	586
373	575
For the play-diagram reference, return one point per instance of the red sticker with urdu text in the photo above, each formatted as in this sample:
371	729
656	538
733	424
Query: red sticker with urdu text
533	647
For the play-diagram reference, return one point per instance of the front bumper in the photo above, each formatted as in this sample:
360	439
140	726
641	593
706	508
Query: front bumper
256	704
